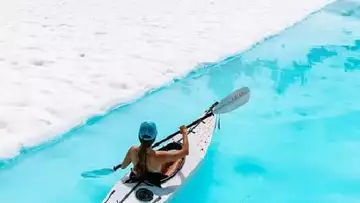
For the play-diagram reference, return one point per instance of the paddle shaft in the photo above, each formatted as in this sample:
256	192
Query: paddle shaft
207	115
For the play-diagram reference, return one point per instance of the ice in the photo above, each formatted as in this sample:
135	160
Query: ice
62	61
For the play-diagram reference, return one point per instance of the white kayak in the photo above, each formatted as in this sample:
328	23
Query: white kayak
130	190
199	136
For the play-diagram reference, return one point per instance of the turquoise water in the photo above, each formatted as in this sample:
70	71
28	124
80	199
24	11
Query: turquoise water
295	141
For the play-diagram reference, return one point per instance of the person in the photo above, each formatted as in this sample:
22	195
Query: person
145	159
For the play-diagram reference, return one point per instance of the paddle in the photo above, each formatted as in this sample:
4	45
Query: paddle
229	103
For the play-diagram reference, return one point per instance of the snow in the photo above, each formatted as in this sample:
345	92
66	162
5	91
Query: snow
62	61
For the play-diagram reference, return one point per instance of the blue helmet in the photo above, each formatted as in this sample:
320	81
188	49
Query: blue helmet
147	131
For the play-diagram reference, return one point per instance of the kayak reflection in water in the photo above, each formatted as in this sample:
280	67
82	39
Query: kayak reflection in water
146	160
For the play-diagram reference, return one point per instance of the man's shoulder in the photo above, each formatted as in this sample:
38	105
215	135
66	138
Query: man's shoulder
133	148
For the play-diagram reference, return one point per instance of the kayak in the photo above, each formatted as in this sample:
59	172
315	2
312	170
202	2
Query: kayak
130	190
159	187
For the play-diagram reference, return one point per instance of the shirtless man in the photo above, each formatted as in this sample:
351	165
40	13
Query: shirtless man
145	159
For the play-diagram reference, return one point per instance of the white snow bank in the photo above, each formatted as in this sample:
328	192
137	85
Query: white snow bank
61	61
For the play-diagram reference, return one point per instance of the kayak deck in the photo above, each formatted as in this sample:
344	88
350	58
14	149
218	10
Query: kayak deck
199	140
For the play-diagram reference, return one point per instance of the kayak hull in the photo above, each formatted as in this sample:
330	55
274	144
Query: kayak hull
199	141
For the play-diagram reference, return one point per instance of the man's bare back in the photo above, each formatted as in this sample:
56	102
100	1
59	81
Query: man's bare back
155	160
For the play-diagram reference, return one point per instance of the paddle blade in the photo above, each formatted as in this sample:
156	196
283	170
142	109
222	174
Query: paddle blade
97	173
233	101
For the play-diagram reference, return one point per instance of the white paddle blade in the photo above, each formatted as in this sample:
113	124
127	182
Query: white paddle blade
233	101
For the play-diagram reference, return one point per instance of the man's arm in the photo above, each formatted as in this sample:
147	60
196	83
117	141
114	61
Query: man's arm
126	161
171	156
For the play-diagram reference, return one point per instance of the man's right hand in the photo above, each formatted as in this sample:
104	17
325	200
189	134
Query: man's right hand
183	129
